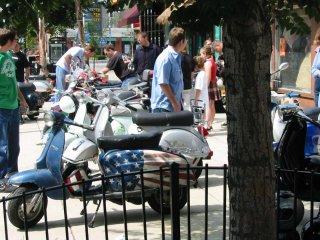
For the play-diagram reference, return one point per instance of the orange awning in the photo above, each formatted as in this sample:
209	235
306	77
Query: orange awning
130	16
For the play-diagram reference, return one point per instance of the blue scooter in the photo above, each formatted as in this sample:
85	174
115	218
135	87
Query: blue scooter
126	154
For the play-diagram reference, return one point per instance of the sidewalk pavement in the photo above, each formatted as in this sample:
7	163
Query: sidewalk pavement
30	139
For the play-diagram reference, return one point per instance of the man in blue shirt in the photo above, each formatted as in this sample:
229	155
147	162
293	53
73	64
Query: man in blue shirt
167	82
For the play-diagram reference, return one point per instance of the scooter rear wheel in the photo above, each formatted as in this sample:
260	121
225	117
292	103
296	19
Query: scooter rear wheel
154	200
197	172
35	205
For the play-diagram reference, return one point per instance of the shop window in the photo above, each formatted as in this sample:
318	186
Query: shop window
294	49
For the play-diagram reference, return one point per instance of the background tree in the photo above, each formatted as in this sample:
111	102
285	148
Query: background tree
247	50
37	16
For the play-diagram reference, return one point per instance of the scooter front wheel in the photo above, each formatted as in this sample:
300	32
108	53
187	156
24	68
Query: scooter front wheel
155	203
35	206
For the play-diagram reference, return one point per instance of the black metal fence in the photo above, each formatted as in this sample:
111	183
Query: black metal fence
193	221
203	216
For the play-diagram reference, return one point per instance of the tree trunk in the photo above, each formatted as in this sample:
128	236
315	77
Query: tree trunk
247	51
80	21
42	46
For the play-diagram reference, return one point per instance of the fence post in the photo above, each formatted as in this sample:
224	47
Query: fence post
174	200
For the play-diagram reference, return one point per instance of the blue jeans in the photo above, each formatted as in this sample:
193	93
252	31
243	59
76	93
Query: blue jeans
60	79
9	141
316	91
158	110
126	81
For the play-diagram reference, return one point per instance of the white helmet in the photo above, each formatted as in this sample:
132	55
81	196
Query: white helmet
68	104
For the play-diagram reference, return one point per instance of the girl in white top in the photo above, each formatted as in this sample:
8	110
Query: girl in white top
201	82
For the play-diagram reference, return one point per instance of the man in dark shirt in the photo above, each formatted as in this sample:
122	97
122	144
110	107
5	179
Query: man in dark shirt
22	64
146	54
117	64
187	65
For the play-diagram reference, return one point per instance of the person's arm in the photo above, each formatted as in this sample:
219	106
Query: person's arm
105	70
27	74
111	64
173	100
316	62
68	58
197	94
22	99
207	69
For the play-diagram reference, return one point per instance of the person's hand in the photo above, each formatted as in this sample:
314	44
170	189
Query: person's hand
176	106
24	104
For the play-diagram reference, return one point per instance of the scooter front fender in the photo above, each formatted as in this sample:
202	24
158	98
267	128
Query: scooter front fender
42	178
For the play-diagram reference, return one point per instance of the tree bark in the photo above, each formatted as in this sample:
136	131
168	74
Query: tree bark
247	51
80	21
42	46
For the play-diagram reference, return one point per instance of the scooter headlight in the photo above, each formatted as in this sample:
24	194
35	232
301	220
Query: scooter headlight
101	95
68	104
104	96
49	119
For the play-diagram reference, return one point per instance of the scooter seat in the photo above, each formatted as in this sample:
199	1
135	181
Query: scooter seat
26	87
146	140
183	118
123	95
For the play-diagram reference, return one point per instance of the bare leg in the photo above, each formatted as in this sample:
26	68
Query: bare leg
211	113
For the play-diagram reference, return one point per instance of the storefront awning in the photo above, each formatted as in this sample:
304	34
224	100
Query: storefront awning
130	16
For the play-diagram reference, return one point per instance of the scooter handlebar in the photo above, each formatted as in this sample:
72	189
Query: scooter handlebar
85	126
130	107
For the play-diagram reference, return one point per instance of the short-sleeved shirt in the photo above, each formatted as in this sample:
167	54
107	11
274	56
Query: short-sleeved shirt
167	70
77	55
8	82
201	84
117	64
145	57
21	62
315	70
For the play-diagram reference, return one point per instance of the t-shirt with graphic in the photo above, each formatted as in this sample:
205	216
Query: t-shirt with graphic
117	64
8	82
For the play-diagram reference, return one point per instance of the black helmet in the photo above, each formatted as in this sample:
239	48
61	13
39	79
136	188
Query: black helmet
286	214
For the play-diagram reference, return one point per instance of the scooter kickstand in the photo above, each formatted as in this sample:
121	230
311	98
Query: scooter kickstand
82	211
94	215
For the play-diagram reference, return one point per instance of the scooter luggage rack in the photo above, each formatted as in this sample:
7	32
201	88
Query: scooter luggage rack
198	110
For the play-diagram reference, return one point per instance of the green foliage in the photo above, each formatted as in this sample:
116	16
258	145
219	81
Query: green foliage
203	14
21	14
100	57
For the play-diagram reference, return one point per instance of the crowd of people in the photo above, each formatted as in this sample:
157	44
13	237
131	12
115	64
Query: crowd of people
173	71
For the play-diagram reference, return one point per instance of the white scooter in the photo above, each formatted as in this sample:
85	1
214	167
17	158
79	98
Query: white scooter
179	135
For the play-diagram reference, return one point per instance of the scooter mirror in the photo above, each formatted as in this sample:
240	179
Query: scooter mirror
283	66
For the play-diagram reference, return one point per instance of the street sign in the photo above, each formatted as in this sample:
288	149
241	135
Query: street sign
102	42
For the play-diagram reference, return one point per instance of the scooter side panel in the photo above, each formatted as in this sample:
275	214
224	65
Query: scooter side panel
81	149
132	161
185	142
42	178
